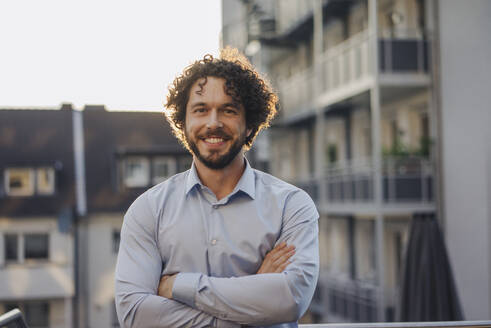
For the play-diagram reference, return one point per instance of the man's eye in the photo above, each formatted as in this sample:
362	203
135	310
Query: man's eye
230	111
200	109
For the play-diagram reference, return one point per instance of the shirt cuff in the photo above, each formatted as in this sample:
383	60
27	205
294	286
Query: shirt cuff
185	287
227	324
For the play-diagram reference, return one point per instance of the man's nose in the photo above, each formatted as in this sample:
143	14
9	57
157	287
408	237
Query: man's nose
214	120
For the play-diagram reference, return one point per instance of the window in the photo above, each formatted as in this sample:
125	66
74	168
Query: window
22	247
36	246
185	163
163	168
29	181
36	313
136	172
11	247
19	181
45	181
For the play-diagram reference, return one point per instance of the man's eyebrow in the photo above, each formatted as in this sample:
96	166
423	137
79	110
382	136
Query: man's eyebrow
198	104
231	104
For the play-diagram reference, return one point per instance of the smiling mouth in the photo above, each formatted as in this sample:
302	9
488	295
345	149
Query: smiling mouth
214	140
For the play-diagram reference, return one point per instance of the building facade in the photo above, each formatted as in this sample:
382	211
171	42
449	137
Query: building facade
37	197
365	128
67	178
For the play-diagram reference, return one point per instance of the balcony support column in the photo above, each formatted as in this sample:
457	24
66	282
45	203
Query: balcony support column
377	158
320	157
319	144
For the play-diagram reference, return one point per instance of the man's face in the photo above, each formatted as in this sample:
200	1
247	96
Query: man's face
215	126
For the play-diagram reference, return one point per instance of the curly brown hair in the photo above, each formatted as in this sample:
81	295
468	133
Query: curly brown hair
242	83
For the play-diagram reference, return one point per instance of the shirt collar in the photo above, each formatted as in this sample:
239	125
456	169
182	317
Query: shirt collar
246	182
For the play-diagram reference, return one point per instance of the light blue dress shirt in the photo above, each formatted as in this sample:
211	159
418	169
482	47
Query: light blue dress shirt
216	247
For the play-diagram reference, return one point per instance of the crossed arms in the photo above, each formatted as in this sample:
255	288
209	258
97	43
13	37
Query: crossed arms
199	300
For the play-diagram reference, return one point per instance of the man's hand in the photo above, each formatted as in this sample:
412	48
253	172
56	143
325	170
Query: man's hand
165	286
277	259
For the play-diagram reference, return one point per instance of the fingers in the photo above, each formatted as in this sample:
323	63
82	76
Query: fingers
277	259
282	267
285	256
281	252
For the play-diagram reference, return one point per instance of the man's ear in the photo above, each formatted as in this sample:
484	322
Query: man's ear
248	132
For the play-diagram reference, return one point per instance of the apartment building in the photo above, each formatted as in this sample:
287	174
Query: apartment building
37	197
363	91
125	154
67	178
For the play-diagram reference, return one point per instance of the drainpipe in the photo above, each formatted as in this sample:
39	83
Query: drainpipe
377	158
79	316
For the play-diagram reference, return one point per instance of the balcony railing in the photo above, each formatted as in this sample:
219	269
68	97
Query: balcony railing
436	324
351	300
291	12
296	93
346	63
404	180
346	69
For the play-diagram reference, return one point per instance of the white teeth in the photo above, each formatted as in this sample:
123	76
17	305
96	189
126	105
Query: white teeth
213	140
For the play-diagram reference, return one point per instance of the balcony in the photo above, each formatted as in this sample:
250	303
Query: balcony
346	71
292	13
36	280
407	184
350	300
297	94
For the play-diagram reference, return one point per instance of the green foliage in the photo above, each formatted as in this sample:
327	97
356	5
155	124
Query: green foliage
399	149
332	153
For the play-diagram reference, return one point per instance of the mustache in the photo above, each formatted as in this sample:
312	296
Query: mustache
215	133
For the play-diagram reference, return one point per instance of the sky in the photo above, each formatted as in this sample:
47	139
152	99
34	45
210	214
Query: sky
119	53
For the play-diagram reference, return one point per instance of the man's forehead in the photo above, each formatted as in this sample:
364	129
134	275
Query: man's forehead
201	86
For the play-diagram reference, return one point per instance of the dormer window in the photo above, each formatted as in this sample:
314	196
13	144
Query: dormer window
143	171
163	168
136	171
19	181
28	181
45	181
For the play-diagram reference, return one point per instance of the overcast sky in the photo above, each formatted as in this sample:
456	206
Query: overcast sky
119	53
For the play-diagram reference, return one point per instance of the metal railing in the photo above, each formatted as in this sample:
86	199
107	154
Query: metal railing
296	92
404	180
13	319
346	63
346	67
436	324
351	300
291	12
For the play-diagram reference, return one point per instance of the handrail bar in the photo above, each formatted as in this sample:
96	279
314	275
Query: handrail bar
441	324
13	316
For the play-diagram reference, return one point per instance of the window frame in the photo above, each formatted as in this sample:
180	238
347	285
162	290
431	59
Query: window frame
21	249
30	190
171	168
136	182
50	189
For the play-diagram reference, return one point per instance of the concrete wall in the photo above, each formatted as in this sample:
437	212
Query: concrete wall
37	279
465	50
102	263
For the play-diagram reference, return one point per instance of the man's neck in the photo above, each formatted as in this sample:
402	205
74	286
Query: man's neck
223	181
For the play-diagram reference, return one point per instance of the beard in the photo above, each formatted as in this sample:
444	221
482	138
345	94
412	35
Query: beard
214	160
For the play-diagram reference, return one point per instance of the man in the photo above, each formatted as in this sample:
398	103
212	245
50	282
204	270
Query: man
221	244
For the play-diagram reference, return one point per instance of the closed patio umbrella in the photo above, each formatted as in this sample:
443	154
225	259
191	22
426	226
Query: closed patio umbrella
428	291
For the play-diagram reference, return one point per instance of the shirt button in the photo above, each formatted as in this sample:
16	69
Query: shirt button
214	242
215	206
